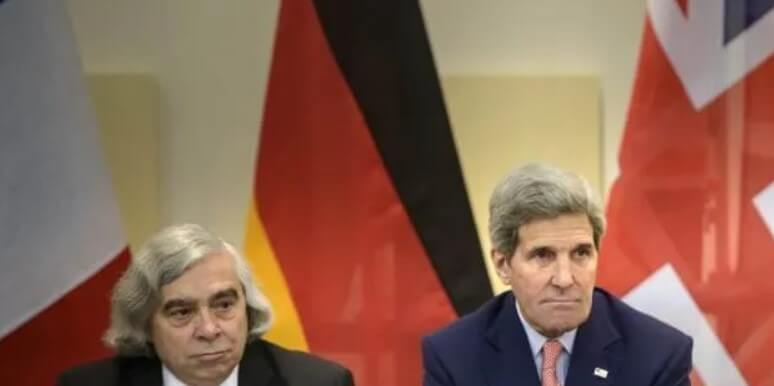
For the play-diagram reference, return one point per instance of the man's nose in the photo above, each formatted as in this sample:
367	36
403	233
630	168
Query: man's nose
208	327
563	276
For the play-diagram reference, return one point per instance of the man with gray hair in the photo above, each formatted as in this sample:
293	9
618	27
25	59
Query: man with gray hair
187	312
553	327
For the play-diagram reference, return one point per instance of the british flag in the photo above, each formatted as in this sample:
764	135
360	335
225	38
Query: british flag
692	212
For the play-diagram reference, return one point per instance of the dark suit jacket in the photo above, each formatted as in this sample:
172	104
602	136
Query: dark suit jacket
490	347
262	364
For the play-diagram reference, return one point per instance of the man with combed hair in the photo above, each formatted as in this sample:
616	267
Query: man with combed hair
187	312
553	327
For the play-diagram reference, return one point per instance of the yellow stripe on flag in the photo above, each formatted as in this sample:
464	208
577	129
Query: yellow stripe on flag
287	330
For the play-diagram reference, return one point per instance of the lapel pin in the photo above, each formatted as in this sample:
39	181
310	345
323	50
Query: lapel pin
602	373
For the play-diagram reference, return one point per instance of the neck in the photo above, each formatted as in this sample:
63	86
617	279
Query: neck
203	382
190	380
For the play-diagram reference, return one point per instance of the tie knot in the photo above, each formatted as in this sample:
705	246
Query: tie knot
551	350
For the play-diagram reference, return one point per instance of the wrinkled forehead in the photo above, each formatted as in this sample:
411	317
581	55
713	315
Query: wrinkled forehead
563	230
204	279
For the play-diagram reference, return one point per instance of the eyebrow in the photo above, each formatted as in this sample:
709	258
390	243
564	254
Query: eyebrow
540	248
189	302
225	293
583	246
177	302
551	248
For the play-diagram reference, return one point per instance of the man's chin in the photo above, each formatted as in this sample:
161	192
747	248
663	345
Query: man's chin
213	369
557	329
215	372
555	332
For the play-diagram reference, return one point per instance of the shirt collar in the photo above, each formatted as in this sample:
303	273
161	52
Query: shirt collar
171	380
537	340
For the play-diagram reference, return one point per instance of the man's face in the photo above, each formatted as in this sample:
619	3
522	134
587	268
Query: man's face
552	272
199	330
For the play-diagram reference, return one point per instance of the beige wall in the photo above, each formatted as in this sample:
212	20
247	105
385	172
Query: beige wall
548	37
127	108
213	68
211	62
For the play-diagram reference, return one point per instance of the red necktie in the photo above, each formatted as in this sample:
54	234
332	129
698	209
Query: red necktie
551	351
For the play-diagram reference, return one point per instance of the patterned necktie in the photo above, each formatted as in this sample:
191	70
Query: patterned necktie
551	351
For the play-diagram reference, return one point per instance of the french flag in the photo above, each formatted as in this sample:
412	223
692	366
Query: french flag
61	242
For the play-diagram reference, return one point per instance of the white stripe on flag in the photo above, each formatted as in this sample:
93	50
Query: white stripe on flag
664	296
58	221
764	204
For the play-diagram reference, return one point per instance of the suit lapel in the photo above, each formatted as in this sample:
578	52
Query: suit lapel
598	348
258	367
511	361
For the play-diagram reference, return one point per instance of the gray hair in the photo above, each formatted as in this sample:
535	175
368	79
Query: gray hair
160	261
537	191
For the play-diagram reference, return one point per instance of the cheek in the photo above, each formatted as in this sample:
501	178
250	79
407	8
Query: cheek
528	276
172	341
236	327
528	285
588	275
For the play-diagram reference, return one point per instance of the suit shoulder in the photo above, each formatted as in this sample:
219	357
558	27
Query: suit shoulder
468	329
304	366
108	371
103	370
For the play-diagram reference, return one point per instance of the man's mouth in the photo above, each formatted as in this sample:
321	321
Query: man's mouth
211	355
561	301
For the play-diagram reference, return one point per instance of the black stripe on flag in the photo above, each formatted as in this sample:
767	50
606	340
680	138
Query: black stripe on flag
383	51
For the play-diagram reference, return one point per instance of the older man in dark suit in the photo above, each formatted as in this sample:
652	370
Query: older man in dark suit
187	312
554	327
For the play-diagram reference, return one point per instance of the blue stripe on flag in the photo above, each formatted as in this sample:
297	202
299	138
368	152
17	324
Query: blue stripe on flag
742	14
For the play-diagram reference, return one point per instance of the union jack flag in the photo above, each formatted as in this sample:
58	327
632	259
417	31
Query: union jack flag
692	212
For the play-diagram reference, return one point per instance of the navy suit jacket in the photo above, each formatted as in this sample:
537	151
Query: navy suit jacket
489	347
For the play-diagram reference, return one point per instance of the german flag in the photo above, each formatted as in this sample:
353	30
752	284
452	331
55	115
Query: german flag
360	230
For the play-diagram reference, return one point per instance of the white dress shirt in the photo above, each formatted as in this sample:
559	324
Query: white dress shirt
536	341
171	380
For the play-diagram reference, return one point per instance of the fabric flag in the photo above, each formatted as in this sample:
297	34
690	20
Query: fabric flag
61	244
691	216
361	229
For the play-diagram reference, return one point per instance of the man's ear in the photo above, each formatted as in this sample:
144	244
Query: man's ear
500	263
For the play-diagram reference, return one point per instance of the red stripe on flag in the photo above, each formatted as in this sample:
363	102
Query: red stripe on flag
683	4
66	333
360	279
